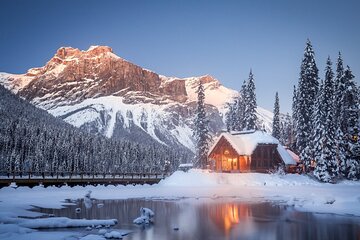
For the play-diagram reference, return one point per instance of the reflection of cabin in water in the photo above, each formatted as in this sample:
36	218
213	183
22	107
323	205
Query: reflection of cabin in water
250	151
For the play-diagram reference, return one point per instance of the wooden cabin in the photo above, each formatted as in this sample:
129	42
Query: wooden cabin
250	151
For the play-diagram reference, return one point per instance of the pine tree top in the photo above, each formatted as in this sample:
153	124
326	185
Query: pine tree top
339	67
329	74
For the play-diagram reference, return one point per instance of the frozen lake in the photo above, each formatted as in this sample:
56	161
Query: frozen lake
221	218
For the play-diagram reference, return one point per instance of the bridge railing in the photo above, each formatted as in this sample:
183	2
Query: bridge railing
82	175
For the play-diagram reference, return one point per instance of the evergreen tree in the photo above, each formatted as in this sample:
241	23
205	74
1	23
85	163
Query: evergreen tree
339	88
201	131
350	115
276	119
327	167
306	95
318	119
294	121
353	163
228	117
286	131
240	109
250	104
235	116
340	138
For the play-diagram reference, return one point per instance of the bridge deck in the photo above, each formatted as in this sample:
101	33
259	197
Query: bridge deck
73	180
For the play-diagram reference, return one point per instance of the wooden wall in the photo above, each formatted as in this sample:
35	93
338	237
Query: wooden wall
265	157
225	156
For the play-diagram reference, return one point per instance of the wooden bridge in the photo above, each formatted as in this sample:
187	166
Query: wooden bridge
82	179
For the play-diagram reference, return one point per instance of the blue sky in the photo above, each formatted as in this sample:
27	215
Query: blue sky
189	38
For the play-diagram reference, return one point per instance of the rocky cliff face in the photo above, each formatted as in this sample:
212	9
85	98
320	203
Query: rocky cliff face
73	75
101	92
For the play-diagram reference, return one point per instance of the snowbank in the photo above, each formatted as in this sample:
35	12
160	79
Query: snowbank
204	178
192	178
63	222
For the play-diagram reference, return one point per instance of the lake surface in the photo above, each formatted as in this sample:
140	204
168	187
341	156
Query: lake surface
215	219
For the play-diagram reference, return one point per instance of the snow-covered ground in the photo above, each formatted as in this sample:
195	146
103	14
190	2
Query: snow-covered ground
302	192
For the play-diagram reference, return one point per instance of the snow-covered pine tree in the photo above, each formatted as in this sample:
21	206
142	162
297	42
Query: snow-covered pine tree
318	119
294	121
240	110
234	117
250	104
306	94
201	130
327	167
350	116
330	128
340	138
228	116
339	88
276	120
286	131
354	162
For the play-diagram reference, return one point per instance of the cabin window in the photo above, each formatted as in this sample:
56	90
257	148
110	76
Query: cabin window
227	161
235	163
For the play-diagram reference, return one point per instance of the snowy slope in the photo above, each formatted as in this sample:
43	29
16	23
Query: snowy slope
149	117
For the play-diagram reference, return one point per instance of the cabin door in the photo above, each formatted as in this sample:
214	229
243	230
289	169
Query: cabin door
229	162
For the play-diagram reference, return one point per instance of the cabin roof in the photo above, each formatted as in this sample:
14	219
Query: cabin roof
244	143
293	155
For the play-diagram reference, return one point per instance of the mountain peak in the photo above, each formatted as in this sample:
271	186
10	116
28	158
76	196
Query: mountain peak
207	79
65	52
99	49
70	52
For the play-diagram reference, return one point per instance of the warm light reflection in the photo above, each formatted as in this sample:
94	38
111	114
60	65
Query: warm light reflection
231	216
228	216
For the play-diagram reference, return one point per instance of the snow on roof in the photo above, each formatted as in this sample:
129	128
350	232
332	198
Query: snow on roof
186	165
284	154
244	143
293	155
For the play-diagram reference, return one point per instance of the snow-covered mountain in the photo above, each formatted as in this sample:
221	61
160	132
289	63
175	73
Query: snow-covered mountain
100	92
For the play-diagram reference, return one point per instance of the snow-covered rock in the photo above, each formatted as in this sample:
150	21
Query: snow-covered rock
141	220
87	200
146	216
113	234
92	237
147	212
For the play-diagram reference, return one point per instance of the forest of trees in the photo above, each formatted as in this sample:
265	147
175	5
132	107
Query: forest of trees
33	140
326	119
